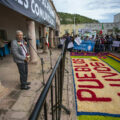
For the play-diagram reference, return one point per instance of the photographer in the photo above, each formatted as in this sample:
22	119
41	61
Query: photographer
21	58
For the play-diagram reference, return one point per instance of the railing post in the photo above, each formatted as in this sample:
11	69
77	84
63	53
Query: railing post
59	89
52	102
56	95
45	110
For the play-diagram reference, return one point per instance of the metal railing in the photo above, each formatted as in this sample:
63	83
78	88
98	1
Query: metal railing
54	86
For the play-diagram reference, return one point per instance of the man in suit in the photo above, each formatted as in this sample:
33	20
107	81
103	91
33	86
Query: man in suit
21	58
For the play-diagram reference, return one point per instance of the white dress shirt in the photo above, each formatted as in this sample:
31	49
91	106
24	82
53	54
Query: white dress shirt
24	50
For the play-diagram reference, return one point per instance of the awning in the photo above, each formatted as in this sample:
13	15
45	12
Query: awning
38	10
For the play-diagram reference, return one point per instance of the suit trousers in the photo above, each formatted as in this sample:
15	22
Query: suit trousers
23	70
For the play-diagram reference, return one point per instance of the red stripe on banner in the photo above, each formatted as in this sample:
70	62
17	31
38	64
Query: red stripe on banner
112	79
115	85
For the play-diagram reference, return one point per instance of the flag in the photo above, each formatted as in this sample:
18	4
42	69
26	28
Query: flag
101	31
102	26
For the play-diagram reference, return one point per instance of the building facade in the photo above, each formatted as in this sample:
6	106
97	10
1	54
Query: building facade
117	18
34	18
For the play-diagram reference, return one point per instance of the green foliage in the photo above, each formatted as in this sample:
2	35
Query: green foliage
67	18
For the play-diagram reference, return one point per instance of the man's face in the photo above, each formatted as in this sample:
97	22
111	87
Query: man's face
20	36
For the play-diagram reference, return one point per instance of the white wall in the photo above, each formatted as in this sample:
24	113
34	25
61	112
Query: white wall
12	21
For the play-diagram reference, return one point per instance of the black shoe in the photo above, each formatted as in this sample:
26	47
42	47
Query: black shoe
25	87
28	83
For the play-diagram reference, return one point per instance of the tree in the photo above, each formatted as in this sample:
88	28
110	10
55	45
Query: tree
67	18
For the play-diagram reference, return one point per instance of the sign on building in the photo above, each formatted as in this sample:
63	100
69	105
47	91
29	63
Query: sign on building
38	10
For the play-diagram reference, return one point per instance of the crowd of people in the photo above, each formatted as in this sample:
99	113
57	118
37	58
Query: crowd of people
103	43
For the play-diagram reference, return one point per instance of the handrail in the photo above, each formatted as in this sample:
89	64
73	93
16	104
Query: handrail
41	100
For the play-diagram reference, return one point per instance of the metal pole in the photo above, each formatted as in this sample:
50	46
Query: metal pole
74	25
42	62
56	96
50	61
52	102
45	111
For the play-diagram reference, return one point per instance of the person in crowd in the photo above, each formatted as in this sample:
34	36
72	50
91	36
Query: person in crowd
82	38
110	42
62	40
93	38
21	57
97	45
37	44
86	38
118	37
102	46
70	44
68	39
105	43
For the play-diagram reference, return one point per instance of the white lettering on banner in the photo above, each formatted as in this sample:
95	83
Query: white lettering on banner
46	12
39	11
20	2
24	3
43	2
33	9
47	5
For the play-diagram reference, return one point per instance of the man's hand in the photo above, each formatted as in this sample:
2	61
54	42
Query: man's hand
25	43
27	59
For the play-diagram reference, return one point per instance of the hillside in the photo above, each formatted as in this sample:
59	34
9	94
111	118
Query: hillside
67	18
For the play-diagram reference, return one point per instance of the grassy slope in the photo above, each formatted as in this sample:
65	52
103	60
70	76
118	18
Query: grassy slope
67	18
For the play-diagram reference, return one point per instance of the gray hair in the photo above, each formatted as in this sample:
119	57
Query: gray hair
19	31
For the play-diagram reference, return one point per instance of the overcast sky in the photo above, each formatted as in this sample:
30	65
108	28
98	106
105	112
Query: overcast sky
102	10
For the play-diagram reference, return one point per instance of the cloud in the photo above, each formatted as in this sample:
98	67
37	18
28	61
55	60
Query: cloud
95	9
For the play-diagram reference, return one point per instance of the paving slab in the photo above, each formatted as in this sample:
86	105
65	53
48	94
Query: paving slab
19	115
23	104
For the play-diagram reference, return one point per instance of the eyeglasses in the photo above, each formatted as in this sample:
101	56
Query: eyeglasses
20	35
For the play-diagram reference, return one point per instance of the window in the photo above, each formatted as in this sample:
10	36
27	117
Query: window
3	34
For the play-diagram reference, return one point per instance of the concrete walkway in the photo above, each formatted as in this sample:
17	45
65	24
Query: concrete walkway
16	104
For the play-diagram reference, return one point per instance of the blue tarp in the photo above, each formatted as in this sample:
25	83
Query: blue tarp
85	45
7	51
